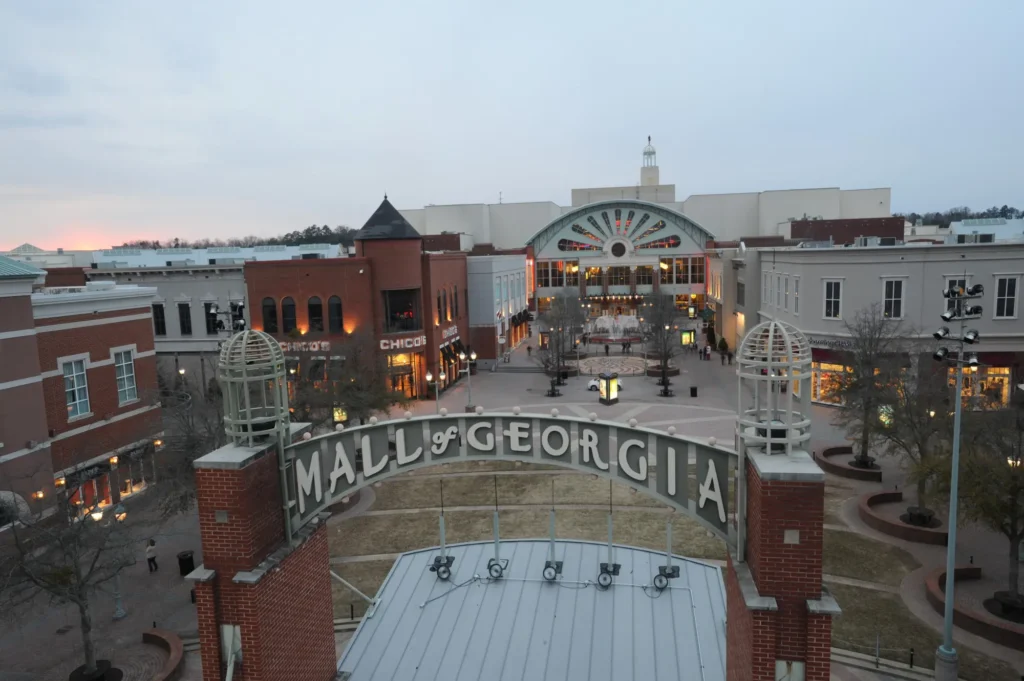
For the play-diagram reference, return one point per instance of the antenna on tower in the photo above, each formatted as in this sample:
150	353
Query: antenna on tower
499	198
609	570
552	567
496	566
442	565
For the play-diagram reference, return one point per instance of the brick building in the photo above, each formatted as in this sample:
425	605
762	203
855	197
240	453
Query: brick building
78	390
414	301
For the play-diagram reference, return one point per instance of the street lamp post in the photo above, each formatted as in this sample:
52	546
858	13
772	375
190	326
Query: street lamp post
119	515
437	388
961	309
469	378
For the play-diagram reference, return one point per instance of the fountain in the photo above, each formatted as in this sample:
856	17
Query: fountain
614	329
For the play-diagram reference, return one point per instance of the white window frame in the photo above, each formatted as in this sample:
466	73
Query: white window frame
1016	296
824	298
131	396
72	359
947	304
785	293
796	296
902	298
778	291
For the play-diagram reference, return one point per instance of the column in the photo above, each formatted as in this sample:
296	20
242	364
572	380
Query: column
780	618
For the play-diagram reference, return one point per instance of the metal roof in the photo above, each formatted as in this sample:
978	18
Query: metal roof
12	269
386	223
522	627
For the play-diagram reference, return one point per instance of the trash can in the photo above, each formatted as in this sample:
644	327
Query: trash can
693	391
186	562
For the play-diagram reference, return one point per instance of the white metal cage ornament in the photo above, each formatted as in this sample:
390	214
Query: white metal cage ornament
251	373
774	365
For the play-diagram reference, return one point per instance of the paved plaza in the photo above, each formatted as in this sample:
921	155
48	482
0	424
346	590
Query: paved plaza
31	647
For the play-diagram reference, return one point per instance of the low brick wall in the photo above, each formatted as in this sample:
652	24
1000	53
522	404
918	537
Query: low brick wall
655	372
842	468
895	528
984	624
171	643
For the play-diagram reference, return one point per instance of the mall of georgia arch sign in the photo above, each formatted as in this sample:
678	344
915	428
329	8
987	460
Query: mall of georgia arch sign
328	468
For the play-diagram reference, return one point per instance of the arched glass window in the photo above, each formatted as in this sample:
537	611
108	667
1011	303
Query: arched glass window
270	315
287	315
334	314
316	313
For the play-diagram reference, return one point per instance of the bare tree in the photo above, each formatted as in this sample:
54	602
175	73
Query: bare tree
66	552
992	480
354	379
659	325
564	320
914	420
876	350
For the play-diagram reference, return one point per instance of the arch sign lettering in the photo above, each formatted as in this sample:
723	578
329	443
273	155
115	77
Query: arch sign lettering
689	476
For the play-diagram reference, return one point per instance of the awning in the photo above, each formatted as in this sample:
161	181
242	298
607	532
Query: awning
447	354
459	347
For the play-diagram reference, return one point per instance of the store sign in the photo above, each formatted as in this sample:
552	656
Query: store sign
830	343
311	346
403	343
452	331
338	464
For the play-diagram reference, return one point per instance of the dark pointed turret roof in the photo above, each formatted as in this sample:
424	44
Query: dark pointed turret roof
387	223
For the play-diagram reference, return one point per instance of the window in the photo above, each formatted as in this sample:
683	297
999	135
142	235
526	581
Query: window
334	314
665	264
211	318
618	276
269	315
558	273
76	390
771	289
893	299
644	275
951	284
402	310
543	275
572	274
682	270
697	270
766	295
741	293
785	294
124	370
159	323
287	315
315	313
1006	298
185	318
833	299
796	295
778	290
455	300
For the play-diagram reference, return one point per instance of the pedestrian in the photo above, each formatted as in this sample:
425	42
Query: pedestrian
607	350
730	358
529	351
723	359
151	556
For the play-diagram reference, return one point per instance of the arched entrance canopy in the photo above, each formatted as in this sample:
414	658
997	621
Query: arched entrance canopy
637	226
327	469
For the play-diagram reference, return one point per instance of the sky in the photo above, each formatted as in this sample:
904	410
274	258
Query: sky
123	120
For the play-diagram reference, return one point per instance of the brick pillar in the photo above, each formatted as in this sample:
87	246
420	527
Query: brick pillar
778	611
278	595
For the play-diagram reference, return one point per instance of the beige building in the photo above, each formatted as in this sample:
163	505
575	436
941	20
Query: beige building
821	290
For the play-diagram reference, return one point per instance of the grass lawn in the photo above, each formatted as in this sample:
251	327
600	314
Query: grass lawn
367	577
518	489
869	613
846	554
396	534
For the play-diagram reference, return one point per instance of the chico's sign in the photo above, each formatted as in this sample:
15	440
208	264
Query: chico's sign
333	466
403	343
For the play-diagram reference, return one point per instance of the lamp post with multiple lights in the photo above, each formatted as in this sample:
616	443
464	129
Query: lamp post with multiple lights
119	515
437	388
469	380
961	308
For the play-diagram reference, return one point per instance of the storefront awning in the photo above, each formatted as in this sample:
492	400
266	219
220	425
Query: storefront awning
459	347
447	354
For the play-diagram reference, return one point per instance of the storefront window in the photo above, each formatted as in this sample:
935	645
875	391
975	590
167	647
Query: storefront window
402	310
826	381
593	276
558	273
618	276
403	369
983	387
